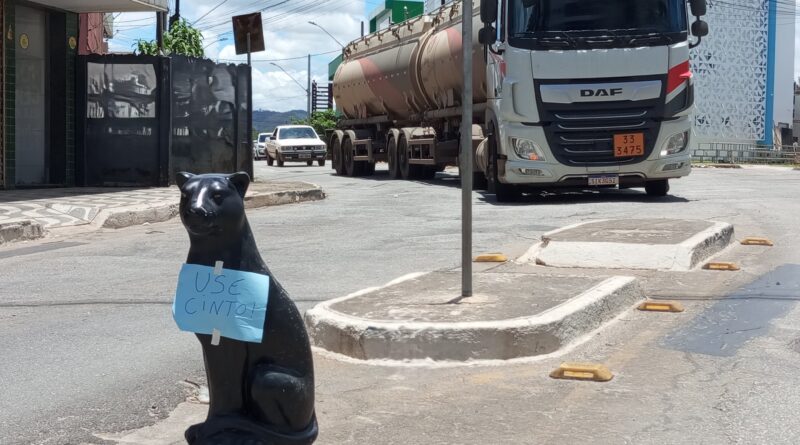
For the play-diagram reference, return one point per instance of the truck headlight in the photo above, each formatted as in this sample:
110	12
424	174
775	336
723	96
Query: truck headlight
527	149
675	144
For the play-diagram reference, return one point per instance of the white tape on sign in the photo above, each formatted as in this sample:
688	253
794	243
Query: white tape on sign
218	268
215	335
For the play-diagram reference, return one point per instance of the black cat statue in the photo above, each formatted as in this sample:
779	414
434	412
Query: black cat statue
261	393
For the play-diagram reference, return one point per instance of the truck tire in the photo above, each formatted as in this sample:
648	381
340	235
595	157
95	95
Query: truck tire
657	188
351	167
502	192
391	155
309	163
270	161
408	170
280	160
321	162
337	157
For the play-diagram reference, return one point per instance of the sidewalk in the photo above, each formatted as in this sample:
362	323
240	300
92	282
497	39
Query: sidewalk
28	214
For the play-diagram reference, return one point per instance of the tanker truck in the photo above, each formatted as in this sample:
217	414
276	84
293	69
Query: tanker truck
566	93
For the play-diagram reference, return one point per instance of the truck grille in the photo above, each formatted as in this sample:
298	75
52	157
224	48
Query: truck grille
587	138
582	134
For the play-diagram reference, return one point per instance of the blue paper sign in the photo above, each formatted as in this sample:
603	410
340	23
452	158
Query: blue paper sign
234	302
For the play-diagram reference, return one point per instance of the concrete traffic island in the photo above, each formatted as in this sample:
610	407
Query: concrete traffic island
511	315
653	244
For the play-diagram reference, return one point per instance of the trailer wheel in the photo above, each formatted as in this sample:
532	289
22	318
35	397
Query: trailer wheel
336	157
402	159
394	161
350	165
502	192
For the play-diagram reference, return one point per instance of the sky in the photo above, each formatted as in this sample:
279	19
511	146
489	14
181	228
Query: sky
288	35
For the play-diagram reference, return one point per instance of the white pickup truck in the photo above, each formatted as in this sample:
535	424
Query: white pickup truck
296	143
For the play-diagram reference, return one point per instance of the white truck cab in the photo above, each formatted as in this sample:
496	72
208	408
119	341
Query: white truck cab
588	93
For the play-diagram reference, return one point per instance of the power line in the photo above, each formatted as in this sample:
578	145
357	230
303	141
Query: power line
210	11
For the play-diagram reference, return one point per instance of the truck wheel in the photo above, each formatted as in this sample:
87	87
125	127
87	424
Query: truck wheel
336	157
309	163
502	192
270	161
321	162
657	188
280	160
350	165
402	159
391	154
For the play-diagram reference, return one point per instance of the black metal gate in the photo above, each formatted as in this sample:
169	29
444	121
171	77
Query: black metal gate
141	119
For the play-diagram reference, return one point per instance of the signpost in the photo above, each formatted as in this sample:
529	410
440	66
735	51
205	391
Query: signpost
466	154
248	35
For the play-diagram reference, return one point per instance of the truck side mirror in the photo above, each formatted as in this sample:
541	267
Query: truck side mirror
488	11
698	7
699	28
487	35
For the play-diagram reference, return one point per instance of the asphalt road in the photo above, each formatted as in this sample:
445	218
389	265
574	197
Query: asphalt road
89	346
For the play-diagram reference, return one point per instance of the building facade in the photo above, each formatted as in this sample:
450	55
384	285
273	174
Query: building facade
41	42
394	11
744	72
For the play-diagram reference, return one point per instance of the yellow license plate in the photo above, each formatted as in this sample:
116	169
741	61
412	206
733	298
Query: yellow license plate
630	144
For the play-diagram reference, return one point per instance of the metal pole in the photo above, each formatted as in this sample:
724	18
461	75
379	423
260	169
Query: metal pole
308	91
177	16
466	154
249	110
160	21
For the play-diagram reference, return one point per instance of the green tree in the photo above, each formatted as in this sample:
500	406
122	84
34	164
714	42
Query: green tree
320	120
182	39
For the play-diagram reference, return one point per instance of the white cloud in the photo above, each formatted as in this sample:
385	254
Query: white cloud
288	35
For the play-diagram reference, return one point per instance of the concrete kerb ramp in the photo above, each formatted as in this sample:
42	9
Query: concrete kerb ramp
650	244
512	315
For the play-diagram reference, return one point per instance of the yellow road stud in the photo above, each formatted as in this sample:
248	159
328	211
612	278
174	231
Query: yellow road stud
491	258
721	266
661	306
582	371
755	241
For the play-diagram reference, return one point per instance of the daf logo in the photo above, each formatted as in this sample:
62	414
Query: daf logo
601	92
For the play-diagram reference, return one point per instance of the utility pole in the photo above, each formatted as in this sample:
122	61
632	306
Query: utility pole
308	90
177	16
161	22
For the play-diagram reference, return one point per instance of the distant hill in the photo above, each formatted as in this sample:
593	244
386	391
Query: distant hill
266	121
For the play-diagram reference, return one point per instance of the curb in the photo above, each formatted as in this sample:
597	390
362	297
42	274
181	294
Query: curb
134	217
684	256
540	334
20	231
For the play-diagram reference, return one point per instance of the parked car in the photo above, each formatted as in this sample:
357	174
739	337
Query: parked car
296	143
259	147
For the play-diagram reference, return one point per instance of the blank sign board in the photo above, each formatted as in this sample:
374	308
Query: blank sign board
248	24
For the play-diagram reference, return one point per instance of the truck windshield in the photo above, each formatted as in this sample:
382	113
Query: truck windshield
550	24
298	133
263	137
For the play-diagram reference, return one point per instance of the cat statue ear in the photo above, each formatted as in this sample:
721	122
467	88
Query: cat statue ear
182	177
241	181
